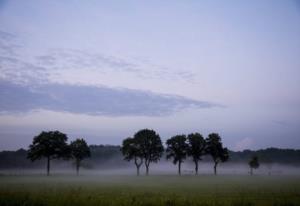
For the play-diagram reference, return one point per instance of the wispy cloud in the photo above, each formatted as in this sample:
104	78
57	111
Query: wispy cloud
57	61
91	100
16	70
6	35
8	44
77	59
62	59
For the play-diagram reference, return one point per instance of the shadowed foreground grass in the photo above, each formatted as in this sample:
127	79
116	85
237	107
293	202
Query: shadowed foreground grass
152	190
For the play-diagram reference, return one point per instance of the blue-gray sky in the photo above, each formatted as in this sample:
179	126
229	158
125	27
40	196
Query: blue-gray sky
104	69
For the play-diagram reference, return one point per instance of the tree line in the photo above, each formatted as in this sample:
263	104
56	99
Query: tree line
146	147
53	145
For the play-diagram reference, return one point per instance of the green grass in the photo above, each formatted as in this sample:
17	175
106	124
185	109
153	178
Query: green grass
153	190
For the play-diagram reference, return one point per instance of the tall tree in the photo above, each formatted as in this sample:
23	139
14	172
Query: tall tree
79	151
196	148
131	151
215	148
150	146
253	164
50	145
177	149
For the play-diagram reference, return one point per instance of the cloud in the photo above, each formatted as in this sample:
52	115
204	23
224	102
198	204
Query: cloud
243	144
16	98
72	58
15	70
62	59
57	60
26	84
8	44
6	35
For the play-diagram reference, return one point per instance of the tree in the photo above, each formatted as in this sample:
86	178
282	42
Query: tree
253	163
215	148
79	151
177	149
51	145
150	146
131	151
196	148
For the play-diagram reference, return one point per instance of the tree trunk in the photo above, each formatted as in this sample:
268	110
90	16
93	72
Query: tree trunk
138	165
215	168
251	171
137	170
196	167
179	168
147	169
77	167
48	166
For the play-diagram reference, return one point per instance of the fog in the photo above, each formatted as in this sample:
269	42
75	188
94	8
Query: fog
161	168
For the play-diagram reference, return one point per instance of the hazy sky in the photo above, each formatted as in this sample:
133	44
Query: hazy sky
102	70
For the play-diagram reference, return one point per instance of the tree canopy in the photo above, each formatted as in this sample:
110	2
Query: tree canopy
253	163
215	149
196	148
150	146
131	151
177	149
79	151
49	145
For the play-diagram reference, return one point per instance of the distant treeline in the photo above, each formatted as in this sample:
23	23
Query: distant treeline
269	155
110	156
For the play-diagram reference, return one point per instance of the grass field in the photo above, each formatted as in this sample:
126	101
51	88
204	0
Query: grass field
153	190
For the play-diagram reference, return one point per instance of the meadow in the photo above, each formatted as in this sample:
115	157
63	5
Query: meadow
165	190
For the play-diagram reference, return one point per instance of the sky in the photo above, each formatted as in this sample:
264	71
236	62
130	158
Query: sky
102	70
